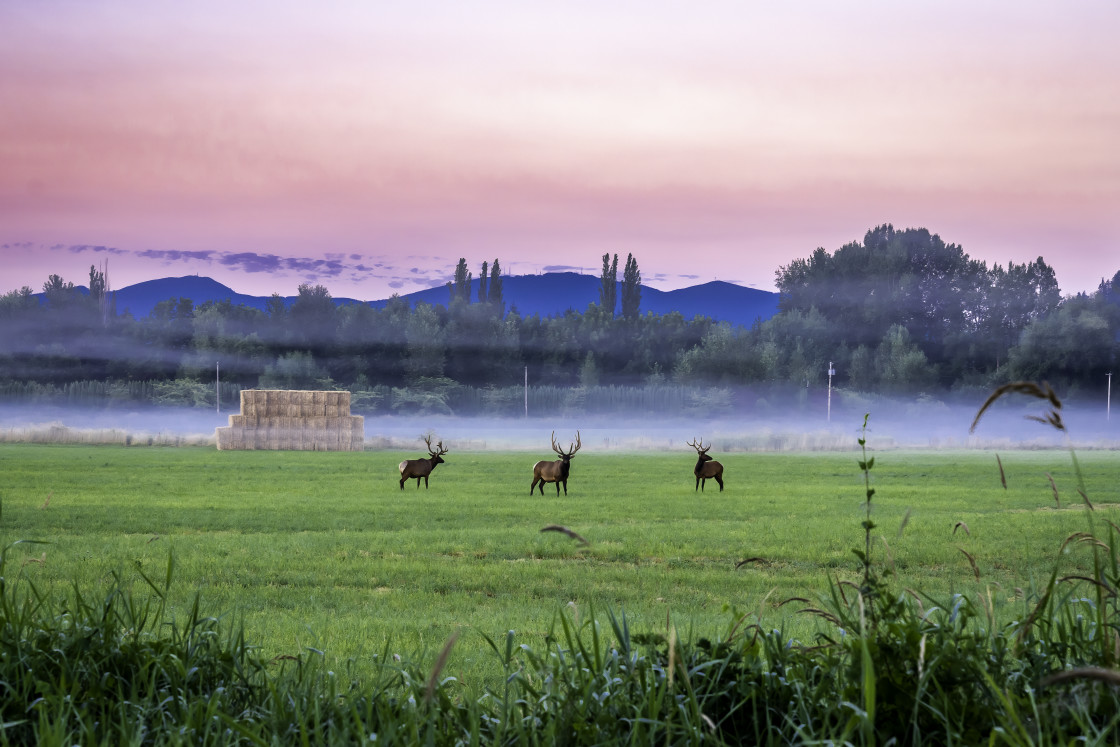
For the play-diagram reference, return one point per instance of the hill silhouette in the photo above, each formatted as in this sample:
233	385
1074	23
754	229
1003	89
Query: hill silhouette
549	294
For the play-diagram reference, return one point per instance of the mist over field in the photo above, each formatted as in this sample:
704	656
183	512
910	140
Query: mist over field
892	424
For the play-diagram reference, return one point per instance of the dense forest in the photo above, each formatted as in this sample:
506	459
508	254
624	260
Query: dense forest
900	313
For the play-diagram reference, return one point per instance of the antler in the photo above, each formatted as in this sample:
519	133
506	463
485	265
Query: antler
438	450
700	449
572	449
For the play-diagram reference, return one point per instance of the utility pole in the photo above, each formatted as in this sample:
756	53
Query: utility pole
831	373
217	389
1108	401
526	391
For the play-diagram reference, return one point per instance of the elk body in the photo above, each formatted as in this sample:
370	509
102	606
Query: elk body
418	468
556	471
706	468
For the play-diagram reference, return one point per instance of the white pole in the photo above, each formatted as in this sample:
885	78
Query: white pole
1108	405
526	391
831	371
217	389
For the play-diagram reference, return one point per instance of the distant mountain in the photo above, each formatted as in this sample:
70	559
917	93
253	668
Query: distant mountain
550	294
554	293
141	298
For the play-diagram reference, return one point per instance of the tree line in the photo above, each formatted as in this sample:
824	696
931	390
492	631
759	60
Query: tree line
900	312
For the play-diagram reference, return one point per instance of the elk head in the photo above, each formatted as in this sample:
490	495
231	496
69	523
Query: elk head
566	456
436	453
701	450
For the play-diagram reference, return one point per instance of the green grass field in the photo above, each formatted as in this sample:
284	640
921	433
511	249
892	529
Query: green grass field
323	550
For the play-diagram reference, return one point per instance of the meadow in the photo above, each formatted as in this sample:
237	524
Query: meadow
324	552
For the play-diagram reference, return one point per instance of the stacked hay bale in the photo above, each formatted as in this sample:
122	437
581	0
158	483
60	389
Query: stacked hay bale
293	420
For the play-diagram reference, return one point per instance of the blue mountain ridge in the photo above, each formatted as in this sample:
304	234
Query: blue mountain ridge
549	294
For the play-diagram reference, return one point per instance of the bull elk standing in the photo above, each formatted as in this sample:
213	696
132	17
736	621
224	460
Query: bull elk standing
418	468
557	471
706	468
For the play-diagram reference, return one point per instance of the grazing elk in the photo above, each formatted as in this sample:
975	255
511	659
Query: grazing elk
418	468
557	471
706	468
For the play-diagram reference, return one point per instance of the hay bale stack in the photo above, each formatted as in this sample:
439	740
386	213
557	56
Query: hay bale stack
281	419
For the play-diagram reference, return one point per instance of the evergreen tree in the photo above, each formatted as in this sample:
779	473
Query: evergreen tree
313	317
482	298
58	291
494	295
608	284
461	289
631	289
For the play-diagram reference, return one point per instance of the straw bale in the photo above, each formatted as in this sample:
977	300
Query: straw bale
321	427
334	433
357	433
243	421
304	420
284	426
319	399
248	402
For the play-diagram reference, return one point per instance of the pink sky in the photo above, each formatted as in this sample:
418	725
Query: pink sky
367	146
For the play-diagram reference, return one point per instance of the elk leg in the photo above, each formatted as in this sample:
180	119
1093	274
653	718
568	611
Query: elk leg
533	487
719	479
558	488
402	483
425	482
697	483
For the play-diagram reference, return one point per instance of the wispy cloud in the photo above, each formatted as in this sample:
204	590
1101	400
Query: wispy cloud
169	256
81	248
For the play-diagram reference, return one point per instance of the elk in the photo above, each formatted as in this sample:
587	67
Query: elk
418	468
557	471
706	468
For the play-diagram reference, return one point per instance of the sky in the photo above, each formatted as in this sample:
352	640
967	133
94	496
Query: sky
367	146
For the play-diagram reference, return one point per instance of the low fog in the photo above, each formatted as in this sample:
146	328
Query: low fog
892	424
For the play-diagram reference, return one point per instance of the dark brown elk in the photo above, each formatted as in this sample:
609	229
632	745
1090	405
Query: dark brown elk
557	471
418	468
706	468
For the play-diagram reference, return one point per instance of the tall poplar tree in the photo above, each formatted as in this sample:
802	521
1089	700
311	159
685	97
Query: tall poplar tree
608	284
494	296
631	288
461	288
482	297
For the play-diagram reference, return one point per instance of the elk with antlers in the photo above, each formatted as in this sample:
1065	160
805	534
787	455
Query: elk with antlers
557	471
418	468
706	468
